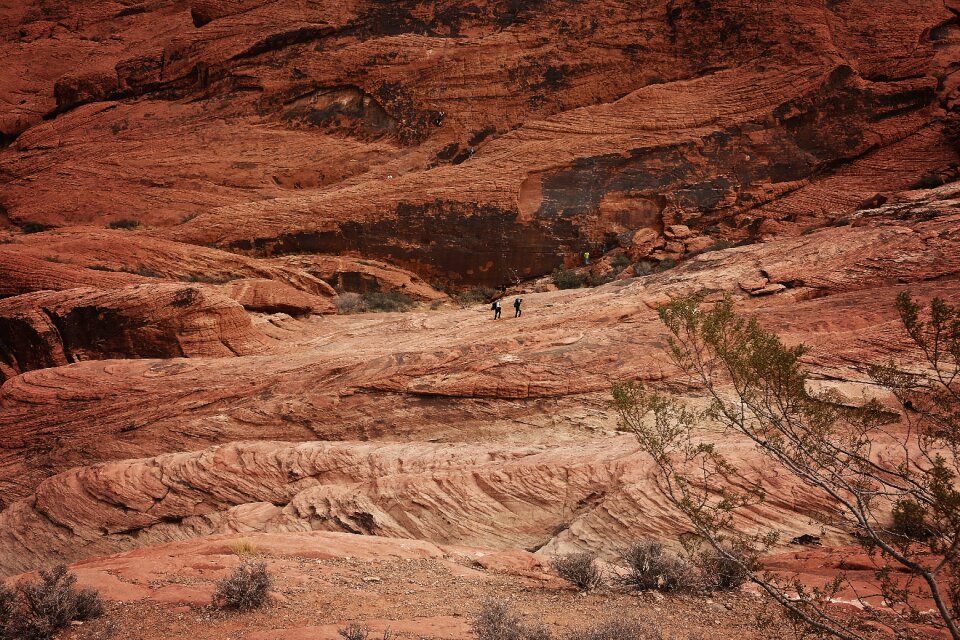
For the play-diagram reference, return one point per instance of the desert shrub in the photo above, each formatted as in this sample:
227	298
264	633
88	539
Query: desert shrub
537	631
8	610
495	621
651	566
89	604
665	264
206	278
244	547
247	587
724	571
386	301
124	223
354	631
619	262
597	280
951	130
580	569
568	278
643	268
141	270
475	295
615	629
758	387
719	245
40	607
348	303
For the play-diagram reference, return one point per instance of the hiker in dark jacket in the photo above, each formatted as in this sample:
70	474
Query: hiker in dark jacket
516	305
497	308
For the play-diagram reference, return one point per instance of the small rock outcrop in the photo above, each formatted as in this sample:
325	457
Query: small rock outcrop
54	328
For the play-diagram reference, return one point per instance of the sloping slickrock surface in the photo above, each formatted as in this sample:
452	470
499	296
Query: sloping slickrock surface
530	497
540	381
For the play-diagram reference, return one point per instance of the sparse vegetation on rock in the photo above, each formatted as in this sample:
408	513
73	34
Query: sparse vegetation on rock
568	278
580	569
497	621
348	303
124	223
354	631
615	629
247	587
37	608
651	566
889	477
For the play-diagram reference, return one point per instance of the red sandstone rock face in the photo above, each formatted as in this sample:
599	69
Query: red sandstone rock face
50	329
477	142
361	275
268	296
143	254
271	151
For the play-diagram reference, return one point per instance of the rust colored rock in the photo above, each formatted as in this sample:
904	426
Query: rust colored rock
139	257
205	11
49	329
753	284
21	273
420	376
423	139
268	296
698	244
73	90
271	149
360	275
773	287
642	243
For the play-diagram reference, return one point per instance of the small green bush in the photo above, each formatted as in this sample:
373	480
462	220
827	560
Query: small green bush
204	278
348	302
719	245
927	181
721	573
596	281
141	270
354	631
568	278
124	223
